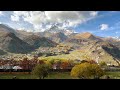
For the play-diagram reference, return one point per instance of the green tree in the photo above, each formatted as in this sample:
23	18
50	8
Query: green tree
86	71
41	71
52	62
102	64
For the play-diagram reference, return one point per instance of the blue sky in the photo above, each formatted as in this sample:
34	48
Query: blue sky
100	23
112	19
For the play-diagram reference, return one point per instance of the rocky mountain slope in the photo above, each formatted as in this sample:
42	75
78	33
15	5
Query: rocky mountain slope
37	41
85	44
11	43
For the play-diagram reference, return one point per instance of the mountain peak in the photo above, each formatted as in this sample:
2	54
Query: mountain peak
85	35
57	29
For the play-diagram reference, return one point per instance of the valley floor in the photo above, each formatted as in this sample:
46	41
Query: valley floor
55	75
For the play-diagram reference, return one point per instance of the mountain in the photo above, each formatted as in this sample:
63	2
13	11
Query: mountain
11	43
114	41
18	41
101	51
57	29
2	52
80	39
5	28
86	35
23	34
58	37
95	47
37	41
83	44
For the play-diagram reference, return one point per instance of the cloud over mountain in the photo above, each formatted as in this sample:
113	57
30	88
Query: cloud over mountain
41	20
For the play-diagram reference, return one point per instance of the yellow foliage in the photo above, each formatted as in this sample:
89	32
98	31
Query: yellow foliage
86	70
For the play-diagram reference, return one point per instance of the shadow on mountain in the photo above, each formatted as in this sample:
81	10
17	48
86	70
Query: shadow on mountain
112	50
2	52
37	41
11	43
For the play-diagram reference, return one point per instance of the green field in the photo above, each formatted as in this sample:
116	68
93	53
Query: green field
114	75
55	75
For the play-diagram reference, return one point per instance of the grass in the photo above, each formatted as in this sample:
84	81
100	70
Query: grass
113	75
19	76
57	75
54	75
72	56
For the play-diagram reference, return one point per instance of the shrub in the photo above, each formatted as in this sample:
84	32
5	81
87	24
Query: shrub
102	64
87	70
41	71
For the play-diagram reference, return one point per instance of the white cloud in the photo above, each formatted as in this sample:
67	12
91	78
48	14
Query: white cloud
104	26
93	13
21	28
14	18
1	13
42	20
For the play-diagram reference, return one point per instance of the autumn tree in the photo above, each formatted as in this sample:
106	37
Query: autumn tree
92	62
96	71
41	71
25	63
64	65
87	71
41	62
102	64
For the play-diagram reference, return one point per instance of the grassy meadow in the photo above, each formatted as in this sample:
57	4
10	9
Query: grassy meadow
55	75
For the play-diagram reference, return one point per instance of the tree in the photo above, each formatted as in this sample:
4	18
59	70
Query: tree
25	63
102	64
52	62
96	71
87	71
64	65
41	71
92	62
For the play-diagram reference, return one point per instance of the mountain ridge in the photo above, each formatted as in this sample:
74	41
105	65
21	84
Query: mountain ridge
14	41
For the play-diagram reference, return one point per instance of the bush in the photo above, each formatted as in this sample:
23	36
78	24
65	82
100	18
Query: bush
41	71
87	71
102	64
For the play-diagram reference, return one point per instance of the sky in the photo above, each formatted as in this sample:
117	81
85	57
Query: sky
100	23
